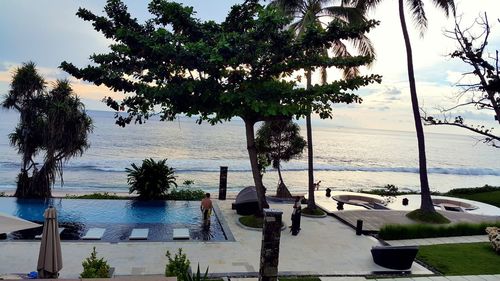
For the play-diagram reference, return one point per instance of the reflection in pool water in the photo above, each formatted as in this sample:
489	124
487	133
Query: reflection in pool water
119	217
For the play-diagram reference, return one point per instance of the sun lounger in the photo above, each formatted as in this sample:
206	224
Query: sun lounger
94	234
181	233
39	236
139	234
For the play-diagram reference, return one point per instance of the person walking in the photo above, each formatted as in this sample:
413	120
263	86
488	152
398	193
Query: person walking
206	209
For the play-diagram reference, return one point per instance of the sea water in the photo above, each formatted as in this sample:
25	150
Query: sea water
346	158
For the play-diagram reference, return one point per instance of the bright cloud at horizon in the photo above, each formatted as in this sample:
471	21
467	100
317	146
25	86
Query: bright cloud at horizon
49	32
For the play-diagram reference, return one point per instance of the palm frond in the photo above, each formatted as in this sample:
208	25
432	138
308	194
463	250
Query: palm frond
346	14
418	15
446	6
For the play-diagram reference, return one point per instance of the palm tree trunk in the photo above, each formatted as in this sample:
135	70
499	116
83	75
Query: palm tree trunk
311	204
252	153
426	201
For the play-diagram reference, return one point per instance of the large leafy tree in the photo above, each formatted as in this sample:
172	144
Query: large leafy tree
177	64
53	125
315	14
420	21
280	141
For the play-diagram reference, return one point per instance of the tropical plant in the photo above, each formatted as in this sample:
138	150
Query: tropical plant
179	64
53	125
280	140
420	20
152	179
185	194
196	276
94	267
314	14
178	266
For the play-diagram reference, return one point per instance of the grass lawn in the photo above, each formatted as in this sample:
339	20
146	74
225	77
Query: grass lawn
492	197
461	259
251	221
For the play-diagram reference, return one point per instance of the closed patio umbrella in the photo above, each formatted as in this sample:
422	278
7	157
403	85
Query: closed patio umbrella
49	258
10	224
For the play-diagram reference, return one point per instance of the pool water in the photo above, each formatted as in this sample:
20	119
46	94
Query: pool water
119	217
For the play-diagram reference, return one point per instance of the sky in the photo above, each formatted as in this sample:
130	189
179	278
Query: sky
48	32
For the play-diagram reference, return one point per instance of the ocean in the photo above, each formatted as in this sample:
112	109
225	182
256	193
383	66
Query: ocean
345	158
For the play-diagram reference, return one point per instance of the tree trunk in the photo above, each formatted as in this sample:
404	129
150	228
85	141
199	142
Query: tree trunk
311	204
252	154
279	174
426	201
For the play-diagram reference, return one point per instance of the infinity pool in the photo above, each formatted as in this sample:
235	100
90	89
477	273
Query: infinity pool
118	217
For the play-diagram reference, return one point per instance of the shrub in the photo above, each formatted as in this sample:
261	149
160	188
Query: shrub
178	266
152	180
414	231
94	267
96	195
427	217
473	190
188	183
313	212
251	221
185	194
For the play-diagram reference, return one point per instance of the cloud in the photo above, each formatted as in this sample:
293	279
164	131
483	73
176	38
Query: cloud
86	91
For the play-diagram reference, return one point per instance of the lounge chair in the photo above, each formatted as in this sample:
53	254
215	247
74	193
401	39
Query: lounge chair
39	236
181	234
394	257
94	234
139	234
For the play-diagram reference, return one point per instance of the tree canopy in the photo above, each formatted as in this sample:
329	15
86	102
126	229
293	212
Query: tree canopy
278	141
176	64
53	125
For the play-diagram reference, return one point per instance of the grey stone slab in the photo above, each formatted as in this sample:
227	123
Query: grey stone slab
456	278
473	278
490	277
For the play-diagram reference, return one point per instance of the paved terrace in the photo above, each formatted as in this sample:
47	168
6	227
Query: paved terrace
324	247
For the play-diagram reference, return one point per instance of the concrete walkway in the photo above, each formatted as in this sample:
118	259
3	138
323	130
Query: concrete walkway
428	278
441	240
324	247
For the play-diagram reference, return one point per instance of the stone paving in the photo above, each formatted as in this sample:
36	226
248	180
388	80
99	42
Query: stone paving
323	247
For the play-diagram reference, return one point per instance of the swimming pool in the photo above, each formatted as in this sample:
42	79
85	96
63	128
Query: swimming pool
118	217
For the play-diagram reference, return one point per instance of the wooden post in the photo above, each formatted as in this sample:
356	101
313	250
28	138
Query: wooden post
270	249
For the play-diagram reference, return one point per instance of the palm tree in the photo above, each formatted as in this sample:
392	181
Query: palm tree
420	20
53	124
65	133
308	13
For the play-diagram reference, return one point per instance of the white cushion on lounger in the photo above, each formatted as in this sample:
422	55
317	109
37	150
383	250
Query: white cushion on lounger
139	234
94	234
39	236
181	233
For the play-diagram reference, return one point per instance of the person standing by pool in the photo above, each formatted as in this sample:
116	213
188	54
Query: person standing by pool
206	208
297	210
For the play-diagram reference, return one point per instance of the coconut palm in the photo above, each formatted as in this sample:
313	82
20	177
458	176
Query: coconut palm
316	13
420	21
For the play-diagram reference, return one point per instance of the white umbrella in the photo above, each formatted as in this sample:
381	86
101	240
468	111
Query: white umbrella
10	223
